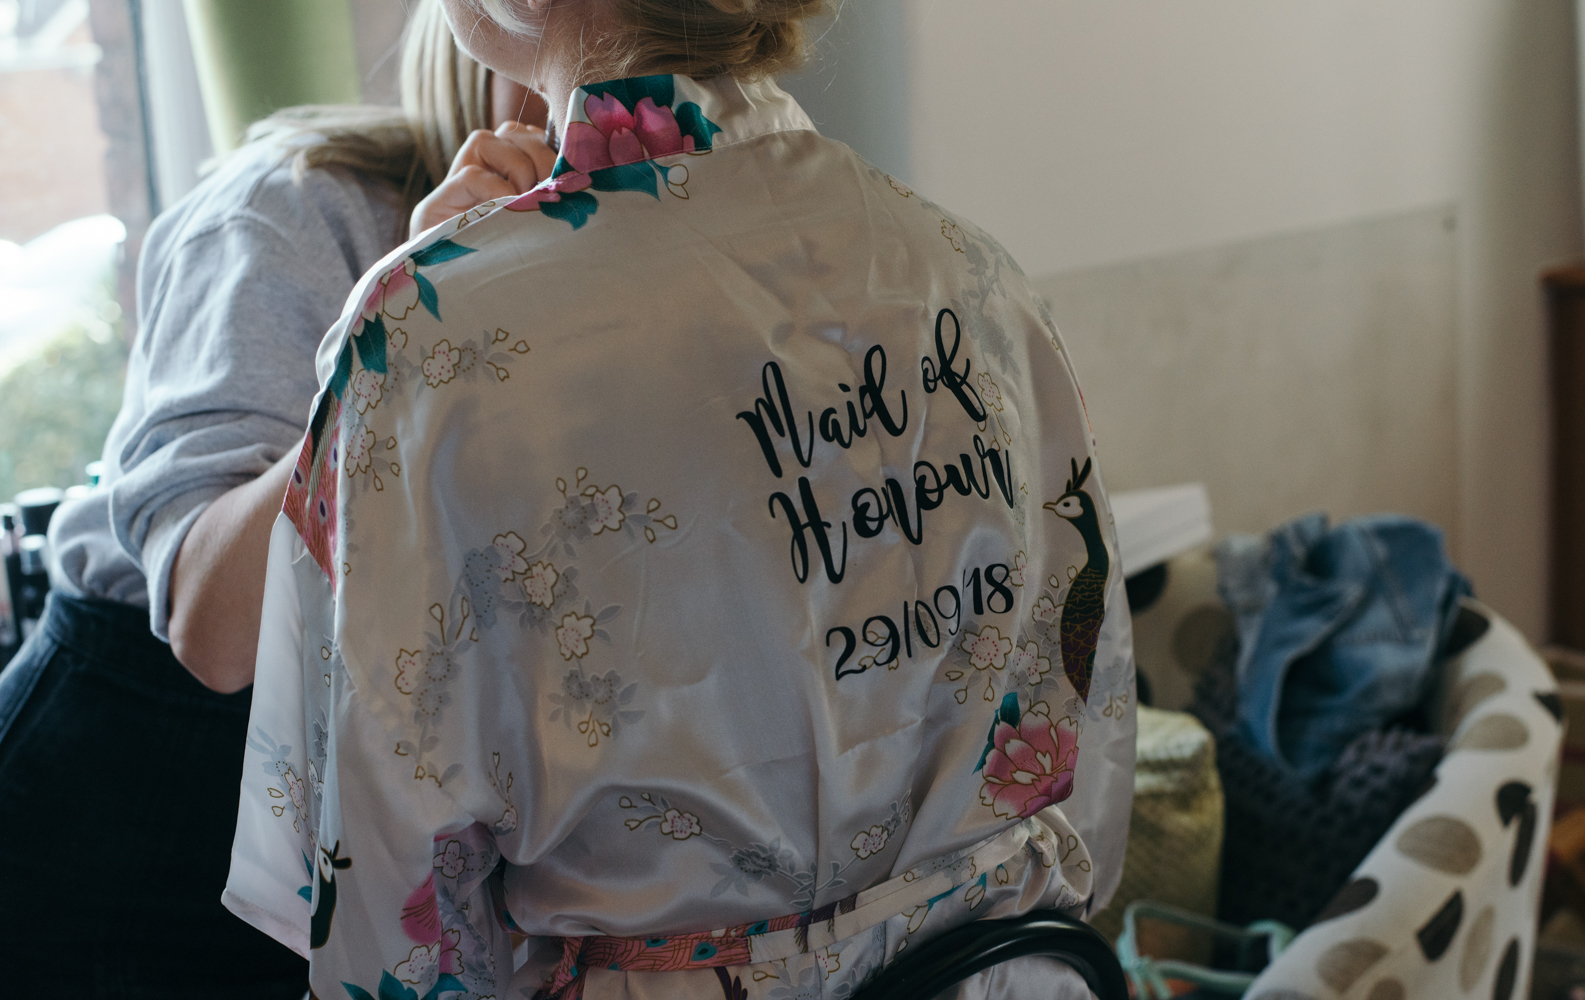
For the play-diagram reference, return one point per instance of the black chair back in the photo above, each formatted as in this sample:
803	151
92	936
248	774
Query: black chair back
945	961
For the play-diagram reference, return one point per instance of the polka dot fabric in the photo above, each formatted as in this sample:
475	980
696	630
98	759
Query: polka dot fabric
1445	905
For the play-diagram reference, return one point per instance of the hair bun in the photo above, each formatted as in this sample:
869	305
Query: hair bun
704	38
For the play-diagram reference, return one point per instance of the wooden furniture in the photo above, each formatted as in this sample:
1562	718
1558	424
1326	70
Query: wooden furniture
1565	290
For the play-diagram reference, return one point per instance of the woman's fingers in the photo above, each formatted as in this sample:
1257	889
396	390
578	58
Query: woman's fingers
533	142
500	164
467	187
508	158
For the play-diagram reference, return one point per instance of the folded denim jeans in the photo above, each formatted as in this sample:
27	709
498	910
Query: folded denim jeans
1338	630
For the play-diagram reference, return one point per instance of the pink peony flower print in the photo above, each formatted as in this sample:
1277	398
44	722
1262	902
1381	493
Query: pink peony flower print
608	514
540	584
679	825
395	294
613	135
870	842
441	365
1029	767
987	648
421	913
573	635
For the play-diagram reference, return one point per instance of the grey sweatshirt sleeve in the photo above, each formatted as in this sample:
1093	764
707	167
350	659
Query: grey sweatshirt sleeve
222	376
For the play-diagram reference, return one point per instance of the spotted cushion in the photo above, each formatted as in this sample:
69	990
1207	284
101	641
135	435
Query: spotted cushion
1445	905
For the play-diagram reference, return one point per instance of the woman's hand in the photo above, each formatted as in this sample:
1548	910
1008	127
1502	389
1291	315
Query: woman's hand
500	164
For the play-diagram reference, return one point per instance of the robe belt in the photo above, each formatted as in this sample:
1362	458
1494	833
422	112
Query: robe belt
799	933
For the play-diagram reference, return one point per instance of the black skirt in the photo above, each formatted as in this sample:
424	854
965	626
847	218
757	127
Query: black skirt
119	780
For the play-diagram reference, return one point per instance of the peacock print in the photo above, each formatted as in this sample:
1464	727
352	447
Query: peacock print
1085	606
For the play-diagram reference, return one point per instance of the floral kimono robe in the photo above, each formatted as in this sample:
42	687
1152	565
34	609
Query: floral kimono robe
696	582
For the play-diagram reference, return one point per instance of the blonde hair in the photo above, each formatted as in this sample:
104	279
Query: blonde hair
747	39
445	96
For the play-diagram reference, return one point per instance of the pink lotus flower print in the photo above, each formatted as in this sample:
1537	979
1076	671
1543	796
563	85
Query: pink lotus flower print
613	135
1029	767
551	190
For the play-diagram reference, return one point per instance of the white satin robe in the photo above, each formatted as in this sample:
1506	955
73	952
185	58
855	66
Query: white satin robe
679	547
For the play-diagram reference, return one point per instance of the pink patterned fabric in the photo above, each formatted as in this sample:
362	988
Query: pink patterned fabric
702	950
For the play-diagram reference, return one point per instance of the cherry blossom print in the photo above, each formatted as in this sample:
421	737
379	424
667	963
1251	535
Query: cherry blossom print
406	670
829	961
539	586
368	388
573	634
679	825
360	447
1045	609
953	234
510	548
294	788
395	294
987	648
607	505
441	365
870	842
1016	576
899	186
451	862
990	392
1030	766
427	962
1028	665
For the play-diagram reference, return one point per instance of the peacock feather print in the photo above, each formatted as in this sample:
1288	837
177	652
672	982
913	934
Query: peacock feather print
1085	606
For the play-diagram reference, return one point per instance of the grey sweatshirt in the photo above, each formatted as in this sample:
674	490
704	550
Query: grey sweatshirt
237	284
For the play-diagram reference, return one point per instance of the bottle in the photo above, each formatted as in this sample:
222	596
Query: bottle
35	587
10	625
35	507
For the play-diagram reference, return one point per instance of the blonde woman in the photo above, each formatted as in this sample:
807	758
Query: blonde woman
696	573
118	768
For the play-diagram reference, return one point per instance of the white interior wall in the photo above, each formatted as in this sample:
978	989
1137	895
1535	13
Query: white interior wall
1091	132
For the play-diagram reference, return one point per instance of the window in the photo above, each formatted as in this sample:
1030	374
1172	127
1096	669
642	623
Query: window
74	206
